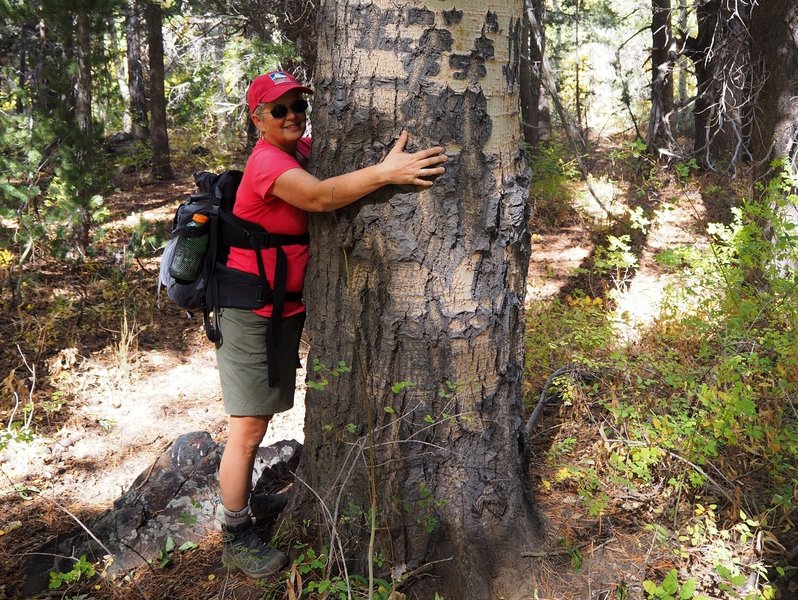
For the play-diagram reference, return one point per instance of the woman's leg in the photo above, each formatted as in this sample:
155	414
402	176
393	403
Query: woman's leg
235	470
243	548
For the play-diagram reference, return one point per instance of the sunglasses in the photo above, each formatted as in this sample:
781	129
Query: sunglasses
281	110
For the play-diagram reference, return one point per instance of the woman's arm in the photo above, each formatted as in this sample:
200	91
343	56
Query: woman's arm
301	189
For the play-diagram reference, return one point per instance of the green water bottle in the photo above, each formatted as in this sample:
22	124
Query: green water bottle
190	250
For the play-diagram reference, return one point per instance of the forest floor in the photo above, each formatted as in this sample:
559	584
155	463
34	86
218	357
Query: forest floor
144	374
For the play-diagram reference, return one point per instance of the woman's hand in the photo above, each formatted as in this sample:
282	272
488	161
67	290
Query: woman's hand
301	189
402	168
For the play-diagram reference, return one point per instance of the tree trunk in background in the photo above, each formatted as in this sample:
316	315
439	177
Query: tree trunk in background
120	70
83	84
660	136
535	114
721	55
83	118
139	126
682	124
161	167
424	287
774	30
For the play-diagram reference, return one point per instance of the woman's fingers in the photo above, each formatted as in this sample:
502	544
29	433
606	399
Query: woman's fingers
434	160
400	144
409	168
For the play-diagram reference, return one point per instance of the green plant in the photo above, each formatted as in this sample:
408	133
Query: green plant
617	260
310	575
638	219
322	372
634	154
81	569
685	169
573	552
166	554
670	588
425	508
552	189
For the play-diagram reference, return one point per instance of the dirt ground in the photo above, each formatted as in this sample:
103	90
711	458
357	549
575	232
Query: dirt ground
129	400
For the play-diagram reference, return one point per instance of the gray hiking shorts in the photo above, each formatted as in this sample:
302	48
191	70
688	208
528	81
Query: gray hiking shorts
244	369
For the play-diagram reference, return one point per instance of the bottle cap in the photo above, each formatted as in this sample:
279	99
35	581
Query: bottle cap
199	218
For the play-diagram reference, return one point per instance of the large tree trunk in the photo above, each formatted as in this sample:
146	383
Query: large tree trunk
161	166
423	287
774	30
139	127
660	136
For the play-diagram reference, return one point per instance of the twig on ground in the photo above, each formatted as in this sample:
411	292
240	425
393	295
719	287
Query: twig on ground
562	551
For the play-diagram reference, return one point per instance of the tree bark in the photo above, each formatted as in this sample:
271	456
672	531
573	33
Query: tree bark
83	84
660	136
721	55
83	117
535	115
774	31
424	287
159	138
139	126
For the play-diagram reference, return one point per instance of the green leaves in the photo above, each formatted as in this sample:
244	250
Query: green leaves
166	554
401	385
730	579
322	372
670	589
82	568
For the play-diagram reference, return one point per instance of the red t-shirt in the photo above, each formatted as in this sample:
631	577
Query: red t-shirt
256	203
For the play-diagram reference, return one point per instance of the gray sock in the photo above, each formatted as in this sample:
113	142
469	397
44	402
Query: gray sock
237	520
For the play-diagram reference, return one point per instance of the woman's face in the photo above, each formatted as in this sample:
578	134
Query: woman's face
282	131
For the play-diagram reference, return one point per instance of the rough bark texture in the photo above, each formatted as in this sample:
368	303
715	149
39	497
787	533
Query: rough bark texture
426	287
660	136
721	55
161	166
83	84
535	114
774	30
138	98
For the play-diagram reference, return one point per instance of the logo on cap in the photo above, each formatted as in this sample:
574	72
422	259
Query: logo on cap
279	77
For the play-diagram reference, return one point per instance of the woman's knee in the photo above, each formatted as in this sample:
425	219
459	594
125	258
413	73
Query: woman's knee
246	433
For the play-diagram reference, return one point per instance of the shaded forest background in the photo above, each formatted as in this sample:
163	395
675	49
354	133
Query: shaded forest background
666	411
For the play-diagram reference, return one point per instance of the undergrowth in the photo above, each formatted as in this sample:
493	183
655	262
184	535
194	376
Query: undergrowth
691	429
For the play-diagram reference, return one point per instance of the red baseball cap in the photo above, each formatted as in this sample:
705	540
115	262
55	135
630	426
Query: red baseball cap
272	85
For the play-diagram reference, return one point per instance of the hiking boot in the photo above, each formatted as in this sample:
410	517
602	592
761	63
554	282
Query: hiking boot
263	506
249	554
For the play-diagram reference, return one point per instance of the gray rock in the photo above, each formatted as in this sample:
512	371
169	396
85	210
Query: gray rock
175	498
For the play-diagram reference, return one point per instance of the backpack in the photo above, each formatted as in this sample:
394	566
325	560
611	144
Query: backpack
219	286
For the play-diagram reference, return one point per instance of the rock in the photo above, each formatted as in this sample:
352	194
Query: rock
174	498
118	142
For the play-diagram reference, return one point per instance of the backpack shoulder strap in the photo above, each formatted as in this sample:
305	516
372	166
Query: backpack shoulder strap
225	188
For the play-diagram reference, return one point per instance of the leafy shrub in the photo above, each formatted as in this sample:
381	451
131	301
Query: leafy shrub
552	188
